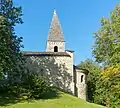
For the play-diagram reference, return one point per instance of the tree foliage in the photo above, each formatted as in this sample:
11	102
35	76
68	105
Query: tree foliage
93	76
35	86
107	51
107	39
11	59
108	87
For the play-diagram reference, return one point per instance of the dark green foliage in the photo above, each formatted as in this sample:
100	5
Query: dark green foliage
93	76
36	86
33	87
10	55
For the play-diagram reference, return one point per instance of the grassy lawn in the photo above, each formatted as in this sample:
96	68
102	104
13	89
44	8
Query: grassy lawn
62	101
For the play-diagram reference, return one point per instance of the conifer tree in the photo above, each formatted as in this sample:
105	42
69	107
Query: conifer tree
11	59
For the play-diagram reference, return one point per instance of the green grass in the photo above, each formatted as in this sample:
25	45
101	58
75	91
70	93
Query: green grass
62	101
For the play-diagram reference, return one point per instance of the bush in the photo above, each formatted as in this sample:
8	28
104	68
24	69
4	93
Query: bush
35	86
32	86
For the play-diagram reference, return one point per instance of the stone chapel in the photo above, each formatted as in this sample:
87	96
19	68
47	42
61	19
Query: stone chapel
56	63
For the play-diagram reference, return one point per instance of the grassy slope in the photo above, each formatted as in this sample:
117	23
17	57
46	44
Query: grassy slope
63	101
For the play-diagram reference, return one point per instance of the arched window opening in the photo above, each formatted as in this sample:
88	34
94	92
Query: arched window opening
55	49
82	78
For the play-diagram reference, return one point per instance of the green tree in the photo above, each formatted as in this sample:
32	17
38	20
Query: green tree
107	39
107	51
93	76
108	87
11	59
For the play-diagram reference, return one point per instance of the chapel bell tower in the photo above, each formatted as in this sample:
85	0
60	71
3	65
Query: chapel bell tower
55	42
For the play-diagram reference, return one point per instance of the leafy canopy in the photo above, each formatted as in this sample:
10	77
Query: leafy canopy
107	39
10	43
108	87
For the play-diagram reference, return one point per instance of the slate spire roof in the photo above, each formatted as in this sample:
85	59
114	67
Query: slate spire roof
55	32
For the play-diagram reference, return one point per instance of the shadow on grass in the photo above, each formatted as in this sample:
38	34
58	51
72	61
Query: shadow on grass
8	98
52	94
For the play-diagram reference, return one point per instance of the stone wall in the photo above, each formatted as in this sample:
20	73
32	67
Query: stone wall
81	84
58	70
52	44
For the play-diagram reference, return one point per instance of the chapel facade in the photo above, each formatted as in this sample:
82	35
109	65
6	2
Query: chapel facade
56	63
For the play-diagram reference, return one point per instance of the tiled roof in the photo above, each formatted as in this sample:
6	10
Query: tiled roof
70	50
30	53
83	70
55	32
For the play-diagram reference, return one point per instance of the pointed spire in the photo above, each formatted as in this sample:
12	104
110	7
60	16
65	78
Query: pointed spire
55	32
54	12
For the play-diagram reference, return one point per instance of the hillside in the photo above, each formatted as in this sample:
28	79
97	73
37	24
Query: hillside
63	101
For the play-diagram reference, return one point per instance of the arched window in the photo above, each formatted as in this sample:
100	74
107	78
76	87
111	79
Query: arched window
55	49
82	78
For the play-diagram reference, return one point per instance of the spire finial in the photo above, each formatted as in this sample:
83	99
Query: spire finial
54	11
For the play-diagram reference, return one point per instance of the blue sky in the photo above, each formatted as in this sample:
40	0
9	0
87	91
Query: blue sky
79	20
